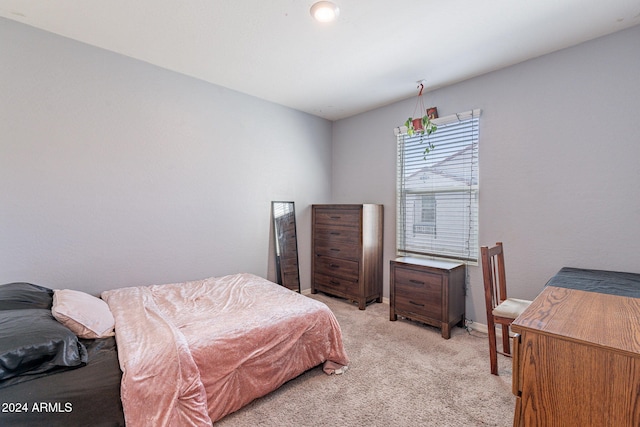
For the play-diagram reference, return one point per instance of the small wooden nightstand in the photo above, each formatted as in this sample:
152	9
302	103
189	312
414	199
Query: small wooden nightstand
429	291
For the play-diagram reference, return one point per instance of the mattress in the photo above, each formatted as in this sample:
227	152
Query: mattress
602	281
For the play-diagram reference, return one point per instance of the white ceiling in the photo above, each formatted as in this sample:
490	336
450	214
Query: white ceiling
372	56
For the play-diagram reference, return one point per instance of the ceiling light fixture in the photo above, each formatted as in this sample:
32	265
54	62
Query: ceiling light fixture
324	11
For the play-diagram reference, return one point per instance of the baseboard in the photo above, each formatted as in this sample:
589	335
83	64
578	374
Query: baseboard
480	327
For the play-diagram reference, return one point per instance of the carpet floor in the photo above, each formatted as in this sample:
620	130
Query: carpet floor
401	373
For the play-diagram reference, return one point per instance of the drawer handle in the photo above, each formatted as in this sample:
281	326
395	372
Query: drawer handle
334	233
334	266
333	282
416	282
334	250
415	303
335	217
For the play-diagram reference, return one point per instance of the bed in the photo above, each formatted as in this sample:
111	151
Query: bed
183	354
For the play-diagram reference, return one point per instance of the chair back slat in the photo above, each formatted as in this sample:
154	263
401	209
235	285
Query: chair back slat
502	279
495	281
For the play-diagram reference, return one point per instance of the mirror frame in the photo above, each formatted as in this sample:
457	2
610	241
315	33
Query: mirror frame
286	244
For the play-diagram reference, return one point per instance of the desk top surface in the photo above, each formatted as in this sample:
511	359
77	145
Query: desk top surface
587	316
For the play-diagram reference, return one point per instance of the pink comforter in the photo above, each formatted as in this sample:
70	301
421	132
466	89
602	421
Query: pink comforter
194	352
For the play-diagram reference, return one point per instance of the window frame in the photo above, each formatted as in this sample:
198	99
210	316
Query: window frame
458	142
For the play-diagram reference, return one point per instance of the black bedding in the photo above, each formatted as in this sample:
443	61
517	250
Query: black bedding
49	376
85	396
605	282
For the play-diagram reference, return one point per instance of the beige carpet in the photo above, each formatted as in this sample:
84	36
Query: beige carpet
401	373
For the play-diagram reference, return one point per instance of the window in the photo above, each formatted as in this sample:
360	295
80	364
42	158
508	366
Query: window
438	192
425	214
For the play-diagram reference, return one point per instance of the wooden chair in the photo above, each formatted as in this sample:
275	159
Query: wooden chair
500	309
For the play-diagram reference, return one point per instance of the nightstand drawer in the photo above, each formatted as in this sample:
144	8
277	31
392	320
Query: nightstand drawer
427	303
417	281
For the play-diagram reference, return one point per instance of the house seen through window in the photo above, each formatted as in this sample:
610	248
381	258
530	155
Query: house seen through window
425	214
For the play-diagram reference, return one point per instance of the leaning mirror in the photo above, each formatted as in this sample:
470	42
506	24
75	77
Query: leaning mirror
286	245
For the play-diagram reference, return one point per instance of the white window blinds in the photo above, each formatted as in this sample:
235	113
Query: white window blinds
438	192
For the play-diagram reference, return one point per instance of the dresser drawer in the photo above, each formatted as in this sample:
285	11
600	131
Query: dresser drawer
336	249
338	234
337	267
334	284
337	217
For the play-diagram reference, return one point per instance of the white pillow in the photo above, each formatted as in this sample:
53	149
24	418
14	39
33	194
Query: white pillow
86	315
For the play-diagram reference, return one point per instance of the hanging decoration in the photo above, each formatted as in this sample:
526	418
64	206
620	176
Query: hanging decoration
422	125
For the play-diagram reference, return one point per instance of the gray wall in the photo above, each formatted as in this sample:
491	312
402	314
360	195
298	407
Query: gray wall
559	162
114	172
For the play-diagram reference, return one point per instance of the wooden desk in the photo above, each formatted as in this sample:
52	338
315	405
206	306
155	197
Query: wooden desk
576	360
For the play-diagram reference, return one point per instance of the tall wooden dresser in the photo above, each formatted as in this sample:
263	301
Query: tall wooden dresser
347	251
